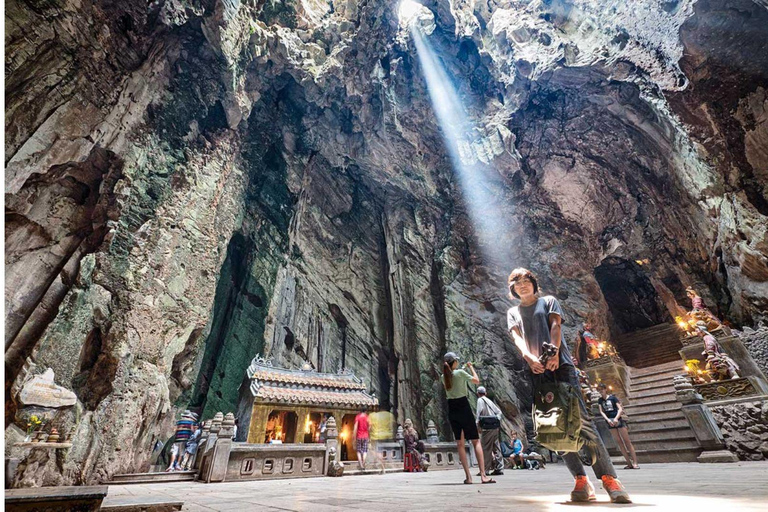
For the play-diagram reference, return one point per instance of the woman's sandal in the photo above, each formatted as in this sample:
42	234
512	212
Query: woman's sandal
489	481
467	481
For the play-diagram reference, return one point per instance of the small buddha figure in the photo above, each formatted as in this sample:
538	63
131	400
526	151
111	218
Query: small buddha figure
696	301
719	365
700	311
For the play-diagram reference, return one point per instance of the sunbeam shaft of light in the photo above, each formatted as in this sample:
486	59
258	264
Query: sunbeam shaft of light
457	130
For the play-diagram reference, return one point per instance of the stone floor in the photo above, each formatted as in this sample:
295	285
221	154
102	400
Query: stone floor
681	487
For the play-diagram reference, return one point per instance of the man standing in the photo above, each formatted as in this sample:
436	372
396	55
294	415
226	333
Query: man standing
536	321
361	436
489	422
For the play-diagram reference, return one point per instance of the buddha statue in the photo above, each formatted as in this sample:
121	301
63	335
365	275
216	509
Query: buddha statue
719	365
699	312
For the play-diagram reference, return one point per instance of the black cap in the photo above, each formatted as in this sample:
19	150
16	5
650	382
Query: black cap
450	357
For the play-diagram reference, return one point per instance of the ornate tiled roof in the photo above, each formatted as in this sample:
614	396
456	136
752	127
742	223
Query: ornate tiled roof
274	384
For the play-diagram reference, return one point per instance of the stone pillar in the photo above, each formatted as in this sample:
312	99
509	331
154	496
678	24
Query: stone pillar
207	451
702	423
432	433
217	471
301	423
400	438
333	467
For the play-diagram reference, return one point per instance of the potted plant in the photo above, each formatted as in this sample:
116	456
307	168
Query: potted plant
33	425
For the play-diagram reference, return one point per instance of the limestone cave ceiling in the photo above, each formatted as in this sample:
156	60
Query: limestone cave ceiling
191	183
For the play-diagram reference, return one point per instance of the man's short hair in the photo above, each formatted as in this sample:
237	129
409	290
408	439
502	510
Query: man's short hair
516	275
602	386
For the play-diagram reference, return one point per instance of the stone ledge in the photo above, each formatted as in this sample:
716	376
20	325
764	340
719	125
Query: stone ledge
717	456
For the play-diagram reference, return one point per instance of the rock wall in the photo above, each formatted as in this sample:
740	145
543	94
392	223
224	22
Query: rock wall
745	428
193	182
756	342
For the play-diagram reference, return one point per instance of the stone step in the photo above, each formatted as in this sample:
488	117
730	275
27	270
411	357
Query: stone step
670	405
651	362
148	478
641	350
656	399
661	377
653	393
655	416
665	367
667	444
658	384
373	471
654	424
657	331
660	455
662	434
140	504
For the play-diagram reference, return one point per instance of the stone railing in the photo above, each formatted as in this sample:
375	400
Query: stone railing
702	422
444	456
220	459
262	461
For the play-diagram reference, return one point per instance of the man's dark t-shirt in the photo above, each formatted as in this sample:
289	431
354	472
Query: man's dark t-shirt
533	322
609	405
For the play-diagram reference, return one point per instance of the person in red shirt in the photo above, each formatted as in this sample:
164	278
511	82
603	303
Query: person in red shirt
361	436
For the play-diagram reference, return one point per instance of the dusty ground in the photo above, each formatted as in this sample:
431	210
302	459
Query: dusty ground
680	487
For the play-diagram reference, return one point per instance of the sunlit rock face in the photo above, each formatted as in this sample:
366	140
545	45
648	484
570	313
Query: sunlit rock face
193	183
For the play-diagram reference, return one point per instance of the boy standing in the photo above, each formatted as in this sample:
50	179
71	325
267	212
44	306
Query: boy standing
537	320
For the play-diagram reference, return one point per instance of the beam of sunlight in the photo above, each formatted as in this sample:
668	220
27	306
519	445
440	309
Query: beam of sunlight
457	130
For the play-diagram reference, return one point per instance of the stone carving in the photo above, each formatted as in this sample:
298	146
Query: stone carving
399	435
727	389
218	418
335	468
432	433
684	391
719	365
331	432
227	429
606	359
41	390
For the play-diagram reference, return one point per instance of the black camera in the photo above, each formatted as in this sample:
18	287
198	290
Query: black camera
547	350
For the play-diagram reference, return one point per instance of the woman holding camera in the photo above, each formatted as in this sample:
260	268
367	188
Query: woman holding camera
460	414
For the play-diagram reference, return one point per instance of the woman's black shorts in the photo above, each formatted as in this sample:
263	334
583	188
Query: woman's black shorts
620	425
461	418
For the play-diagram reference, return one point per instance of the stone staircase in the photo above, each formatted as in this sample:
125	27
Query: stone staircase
650	347
657	427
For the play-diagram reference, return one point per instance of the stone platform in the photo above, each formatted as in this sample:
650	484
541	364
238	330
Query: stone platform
658	487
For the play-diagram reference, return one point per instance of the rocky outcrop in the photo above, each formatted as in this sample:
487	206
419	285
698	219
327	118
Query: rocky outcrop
194	182
756	342
745	428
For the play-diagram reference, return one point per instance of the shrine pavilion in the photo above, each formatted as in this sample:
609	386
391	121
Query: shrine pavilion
290	405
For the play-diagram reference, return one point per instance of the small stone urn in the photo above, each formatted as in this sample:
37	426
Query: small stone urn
54	436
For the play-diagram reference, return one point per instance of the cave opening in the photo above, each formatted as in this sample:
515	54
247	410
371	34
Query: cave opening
632	300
